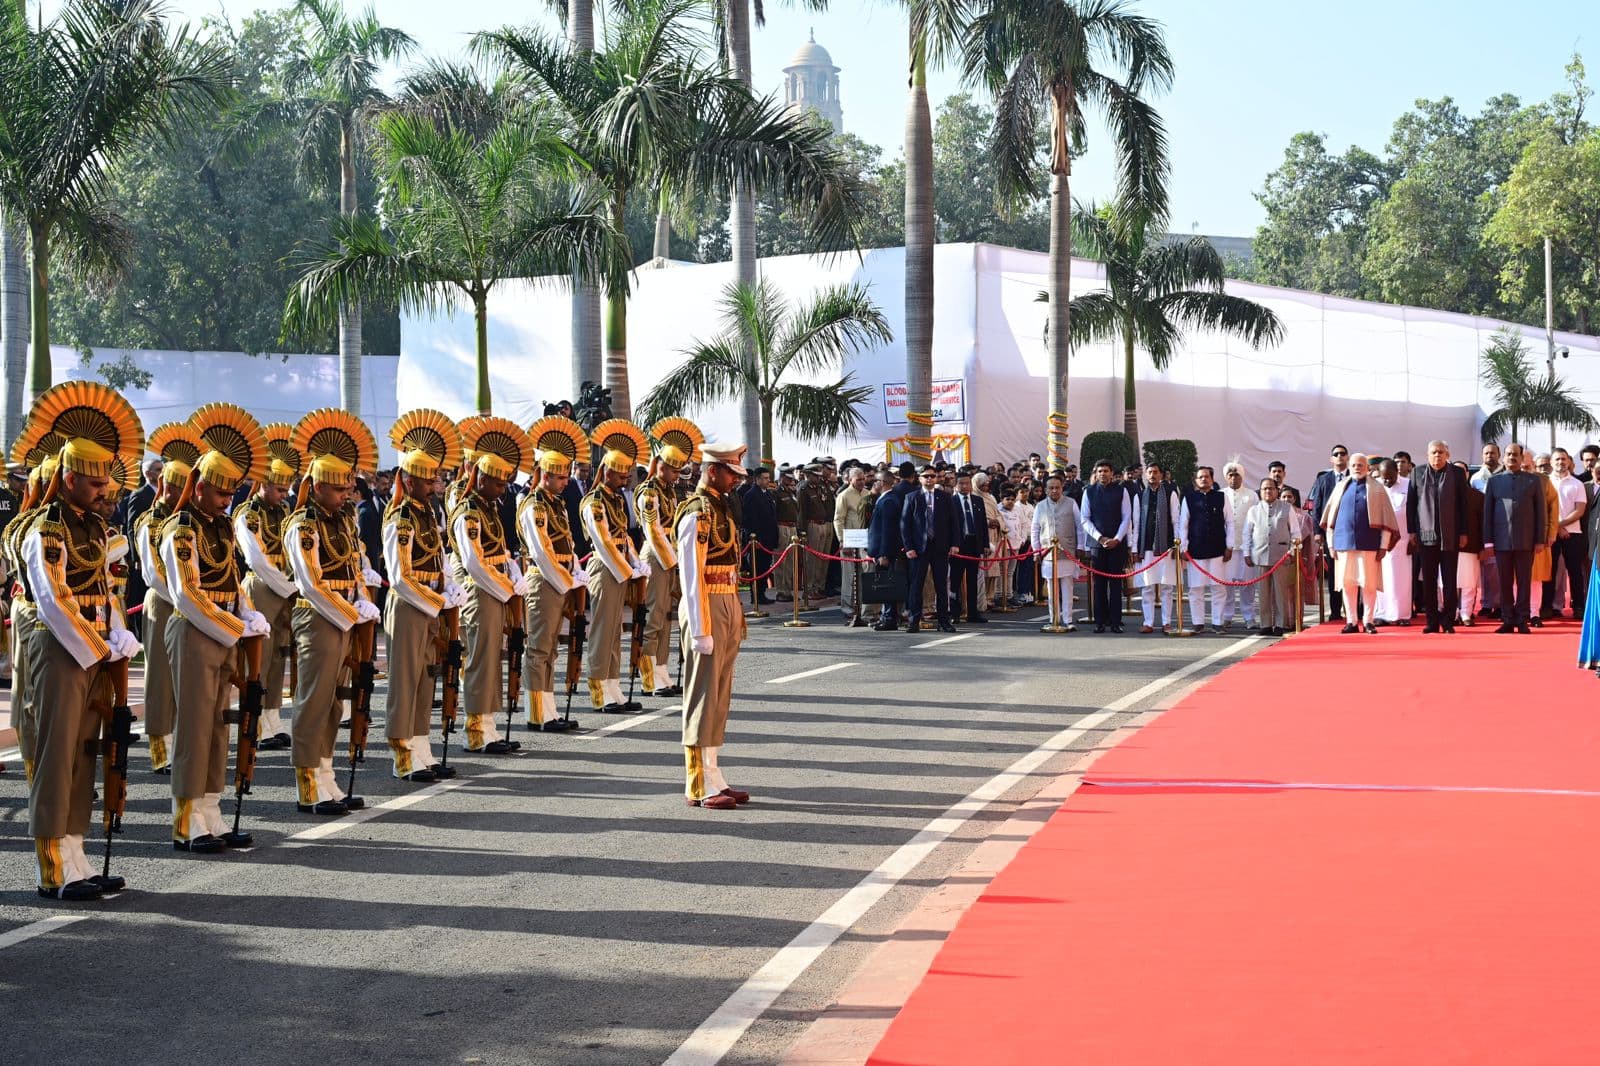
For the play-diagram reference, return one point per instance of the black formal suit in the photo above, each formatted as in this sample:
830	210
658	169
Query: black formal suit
883	538
1321	492
972	540
369	522
758	517
1513	522
1436	514
573	496
930	530
137	503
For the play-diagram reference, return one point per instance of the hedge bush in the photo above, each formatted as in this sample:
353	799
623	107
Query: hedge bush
1112	445
1177	458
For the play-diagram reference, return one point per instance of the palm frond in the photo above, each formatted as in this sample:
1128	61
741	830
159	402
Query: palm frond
713	373
1182	263
823	332
1224	313
822	412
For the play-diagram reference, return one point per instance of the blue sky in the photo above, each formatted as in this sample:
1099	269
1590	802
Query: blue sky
1250	74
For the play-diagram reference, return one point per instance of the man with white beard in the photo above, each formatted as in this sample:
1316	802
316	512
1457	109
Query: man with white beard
1237	598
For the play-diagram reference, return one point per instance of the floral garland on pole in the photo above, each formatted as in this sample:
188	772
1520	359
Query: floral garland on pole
1056	440
919	441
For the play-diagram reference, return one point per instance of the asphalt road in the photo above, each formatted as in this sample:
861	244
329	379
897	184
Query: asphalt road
561	905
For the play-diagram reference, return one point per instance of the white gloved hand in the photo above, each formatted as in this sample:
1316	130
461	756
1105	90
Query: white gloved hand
366	611
255	624
123	644
702	645
521	585
373	579
513	570
454	596
641	569
578	577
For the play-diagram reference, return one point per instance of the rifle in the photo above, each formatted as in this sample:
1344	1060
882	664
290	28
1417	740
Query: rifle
575	609
251	696
363	645
451	673
638	600
516	644
118	739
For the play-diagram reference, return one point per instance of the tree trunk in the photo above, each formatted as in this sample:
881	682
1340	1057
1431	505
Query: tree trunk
769	446
919	254
1130	400
742	211
39	299
13	328
349	311
663	244
480	320
1058	347
617	330
587	363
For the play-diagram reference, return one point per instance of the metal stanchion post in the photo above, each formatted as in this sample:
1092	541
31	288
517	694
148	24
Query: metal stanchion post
1004	606
796	622
799	562
1180	630
1299	590
755	610
1322	599
1055	625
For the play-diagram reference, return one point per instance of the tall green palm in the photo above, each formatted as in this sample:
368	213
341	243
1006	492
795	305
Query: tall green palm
588	362
763	340
1155	290
1061	56
13	317
77	94
1523	395
643	111
331	79
469	207
936	28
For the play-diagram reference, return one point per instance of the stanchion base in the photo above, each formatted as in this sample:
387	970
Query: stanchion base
796	623
1180	632
755	614
1054	629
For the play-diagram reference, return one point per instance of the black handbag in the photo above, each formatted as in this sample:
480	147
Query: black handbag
883	586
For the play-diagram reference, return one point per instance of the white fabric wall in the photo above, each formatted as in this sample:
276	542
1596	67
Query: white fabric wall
272	387
1374	376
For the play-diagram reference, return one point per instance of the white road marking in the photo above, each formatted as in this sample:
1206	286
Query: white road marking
717	1035
810	673
1326	786
946	640
39	928
629	723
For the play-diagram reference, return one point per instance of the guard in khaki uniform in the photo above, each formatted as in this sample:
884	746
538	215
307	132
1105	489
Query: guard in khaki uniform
613	563
179	448
816	503
24	613
325	558
712	623
80	629
258	528
485	569
413	553
210	615
787	502
553	569
677	442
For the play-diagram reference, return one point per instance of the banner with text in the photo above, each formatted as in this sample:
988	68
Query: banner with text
949	402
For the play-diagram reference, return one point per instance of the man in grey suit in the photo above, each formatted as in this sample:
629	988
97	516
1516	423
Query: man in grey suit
1513	522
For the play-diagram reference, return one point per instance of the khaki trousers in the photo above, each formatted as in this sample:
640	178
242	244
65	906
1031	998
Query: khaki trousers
819	537
66	735
202	687
602	660
708	679
783	577
320	648
274	656
542	609
658	614
483	628
160	706
412	650
24	616
1275	598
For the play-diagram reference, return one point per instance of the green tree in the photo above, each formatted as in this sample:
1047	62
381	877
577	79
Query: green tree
1525	397
1156	289
1554	193
331	82
812	338
470	207
1318	209
1064	57
78	94
642	112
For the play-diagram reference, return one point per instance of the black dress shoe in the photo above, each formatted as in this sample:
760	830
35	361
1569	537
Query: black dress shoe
946	627
276	742
1524	630
886	627
443	773
1430	628
1537	623
353	803
420	777
558	725
113	883
1447	629
1350	627
73	891
1117	629
205	844
977	619
1099	629
238	840
325	807
857	623
670	690
1505	627
496	747
1371	627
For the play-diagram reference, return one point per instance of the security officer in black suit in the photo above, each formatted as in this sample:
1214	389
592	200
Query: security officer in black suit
758	518
929	531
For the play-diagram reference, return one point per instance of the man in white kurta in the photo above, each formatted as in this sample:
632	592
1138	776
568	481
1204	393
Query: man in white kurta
1057	523
1393	602
1239	599
1155	525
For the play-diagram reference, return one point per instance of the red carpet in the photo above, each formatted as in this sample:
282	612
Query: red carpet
1170	913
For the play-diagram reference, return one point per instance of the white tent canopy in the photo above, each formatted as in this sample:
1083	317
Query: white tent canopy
1375	376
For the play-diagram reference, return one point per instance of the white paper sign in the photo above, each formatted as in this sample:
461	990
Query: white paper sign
855	538
948	402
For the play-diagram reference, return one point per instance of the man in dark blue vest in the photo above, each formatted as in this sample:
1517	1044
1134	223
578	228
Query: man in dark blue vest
1207	535
1107	514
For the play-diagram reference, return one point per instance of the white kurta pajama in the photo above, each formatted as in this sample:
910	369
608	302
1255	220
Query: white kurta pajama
1163	575
1051	521
1393	601
1239	599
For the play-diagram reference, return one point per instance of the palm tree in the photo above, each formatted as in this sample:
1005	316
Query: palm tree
1155	290
1523	396
470	207
77	94
936	28
588	364
810	339
331	79
643	112
1054	55
13	317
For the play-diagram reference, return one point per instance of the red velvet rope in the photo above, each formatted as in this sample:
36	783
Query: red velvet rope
1239	584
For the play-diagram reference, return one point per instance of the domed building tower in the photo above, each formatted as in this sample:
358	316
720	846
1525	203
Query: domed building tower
811	83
